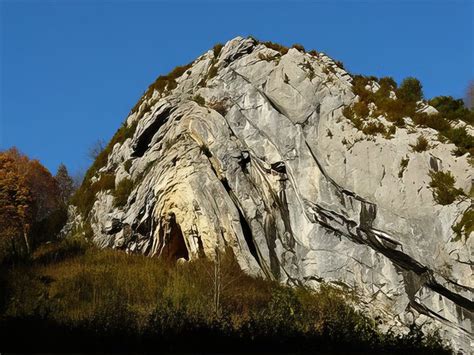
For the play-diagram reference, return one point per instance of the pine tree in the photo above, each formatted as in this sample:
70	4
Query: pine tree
410	90
65	183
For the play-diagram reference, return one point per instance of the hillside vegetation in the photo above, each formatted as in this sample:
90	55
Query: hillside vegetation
72	296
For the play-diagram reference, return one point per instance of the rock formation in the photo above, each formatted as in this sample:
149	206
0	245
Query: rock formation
248	148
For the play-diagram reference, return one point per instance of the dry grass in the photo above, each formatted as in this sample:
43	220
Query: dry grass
111	299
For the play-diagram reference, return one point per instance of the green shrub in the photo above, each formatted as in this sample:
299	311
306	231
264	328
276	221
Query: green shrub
465	227
410	90
421	145
452	109
444	191
359	83
361	109
348	113
463	141
387	83
396	110
121	193
436	121
372	128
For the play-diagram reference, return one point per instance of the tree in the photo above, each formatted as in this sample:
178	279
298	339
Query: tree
29	195
410	90
95	149
16	214
65	183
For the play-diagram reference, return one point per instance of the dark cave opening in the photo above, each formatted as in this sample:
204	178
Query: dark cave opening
175	247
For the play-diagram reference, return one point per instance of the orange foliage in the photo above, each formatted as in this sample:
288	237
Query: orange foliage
28	194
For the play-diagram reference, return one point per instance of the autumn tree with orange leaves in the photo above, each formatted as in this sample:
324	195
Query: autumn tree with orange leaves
28	195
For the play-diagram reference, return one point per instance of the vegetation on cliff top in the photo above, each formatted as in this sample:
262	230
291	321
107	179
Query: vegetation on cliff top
398	103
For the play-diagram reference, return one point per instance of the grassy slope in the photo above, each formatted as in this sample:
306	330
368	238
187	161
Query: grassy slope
71	296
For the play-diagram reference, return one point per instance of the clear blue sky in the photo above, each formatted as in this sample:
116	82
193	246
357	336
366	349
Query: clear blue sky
71	70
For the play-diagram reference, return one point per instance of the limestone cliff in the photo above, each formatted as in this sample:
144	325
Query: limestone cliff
248	148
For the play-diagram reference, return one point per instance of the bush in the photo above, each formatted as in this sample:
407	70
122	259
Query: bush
410	90
276	47
461	139
387	83
436	121
465	227
421	145
444	191
361	109
121	193
452	109
372	128
298	47
84	197
162	83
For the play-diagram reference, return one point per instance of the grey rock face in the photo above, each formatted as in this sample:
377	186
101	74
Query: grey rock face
271	168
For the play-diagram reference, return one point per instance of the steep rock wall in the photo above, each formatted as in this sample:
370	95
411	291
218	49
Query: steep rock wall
259	158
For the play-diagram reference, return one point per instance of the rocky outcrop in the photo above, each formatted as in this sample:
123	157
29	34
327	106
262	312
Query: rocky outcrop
249	149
